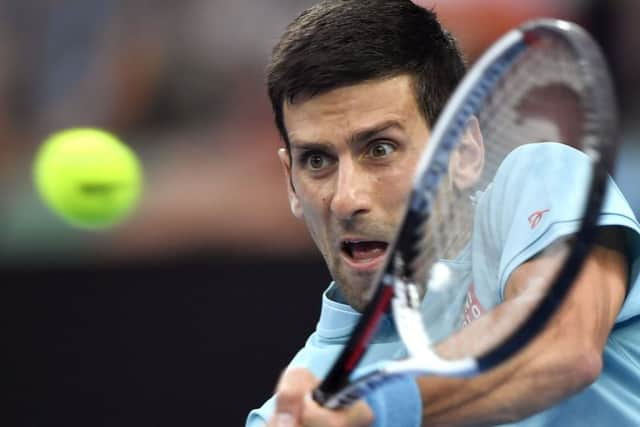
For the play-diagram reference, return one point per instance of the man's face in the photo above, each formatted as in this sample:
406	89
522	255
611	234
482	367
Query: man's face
353	155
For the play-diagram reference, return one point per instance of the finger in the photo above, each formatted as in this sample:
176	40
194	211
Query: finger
358	414
294	385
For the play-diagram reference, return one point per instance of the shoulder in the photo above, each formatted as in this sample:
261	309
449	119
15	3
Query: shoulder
536	197
533	165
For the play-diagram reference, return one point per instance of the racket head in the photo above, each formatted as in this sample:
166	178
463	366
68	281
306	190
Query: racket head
540	98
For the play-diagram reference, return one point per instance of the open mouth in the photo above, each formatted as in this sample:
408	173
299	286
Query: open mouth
363	251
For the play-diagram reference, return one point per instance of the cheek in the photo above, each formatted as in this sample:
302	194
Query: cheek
318	226
313	201
395	187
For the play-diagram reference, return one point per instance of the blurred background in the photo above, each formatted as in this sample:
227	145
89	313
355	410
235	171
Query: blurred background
186	313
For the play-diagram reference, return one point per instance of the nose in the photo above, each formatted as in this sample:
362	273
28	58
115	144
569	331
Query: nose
351	195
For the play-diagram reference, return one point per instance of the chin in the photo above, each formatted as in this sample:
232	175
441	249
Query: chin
356	290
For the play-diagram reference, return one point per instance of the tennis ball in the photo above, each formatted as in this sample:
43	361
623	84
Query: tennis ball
88	177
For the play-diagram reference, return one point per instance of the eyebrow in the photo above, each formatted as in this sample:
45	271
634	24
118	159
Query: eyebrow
358	136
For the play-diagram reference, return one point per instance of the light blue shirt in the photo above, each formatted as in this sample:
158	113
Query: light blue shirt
530	203
537	170
323	346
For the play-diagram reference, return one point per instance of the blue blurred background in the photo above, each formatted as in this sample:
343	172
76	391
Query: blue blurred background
177	315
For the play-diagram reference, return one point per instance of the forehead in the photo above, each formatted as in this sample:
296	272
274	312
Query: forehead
362	105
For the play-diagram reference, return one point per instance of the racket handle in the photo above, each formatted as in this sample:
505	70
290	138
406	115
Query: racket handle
355	391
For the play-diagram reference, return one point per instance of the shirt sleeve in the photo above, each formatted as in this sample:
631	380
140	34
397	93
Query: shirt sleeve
317	358
536	198
258	417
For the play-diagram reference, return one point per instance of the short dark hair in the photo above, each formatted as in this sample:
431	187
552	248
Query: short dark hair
338	43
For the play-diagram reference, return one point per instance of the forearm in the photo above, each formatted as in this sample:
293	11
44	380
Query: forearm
562	360
530	382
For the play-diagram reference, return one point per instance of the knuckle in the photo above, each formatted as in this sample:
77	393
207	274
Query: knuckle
287	394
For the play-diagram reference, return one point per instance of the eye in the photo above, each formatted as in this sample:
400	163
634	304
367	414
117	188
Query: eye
379	150
314	160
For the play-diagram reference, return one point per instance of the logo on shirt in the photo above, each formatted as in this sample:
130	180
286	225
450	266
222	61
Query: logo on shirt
536	217
473	309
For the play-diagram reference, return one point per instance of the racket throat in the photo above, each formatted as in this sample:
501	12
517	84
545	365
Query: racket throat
407	316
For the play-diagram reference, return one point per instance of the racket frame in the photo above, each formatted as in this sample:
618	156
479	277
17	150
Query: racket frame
336	390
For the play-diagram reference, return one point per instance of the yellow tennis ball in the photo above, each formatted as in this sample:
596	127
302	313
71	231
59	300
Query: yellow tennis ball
88	177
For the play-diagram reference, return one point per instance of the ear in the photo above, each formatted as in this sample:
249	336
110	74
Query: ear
294	203
467	161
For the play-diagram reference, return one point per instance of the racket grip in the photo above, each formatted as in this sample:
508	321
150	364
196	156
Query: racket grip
319	396
355	391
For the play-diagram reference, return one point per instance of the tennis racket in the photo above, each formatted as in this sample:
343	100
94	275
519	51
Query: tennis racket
542	84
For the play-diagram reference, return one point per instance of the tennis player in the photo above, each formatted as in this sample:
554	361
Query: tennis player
356	86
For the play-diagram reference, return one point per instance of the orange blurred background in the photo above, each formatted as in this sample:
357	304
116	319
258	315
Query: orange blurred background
182	83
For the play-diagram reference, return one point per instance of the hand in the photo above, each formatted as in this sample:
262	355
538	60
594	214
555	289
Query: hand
296	408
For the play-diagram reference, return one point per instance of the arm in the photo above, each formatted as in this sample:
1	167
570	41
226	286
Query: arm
562	360
565	358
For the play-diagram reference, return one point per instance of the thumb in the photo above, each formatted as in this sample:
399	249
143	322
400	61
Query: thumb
294	385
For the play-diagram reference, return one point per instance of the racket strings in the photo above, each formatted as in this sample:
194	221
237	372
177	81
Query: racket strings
537	100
